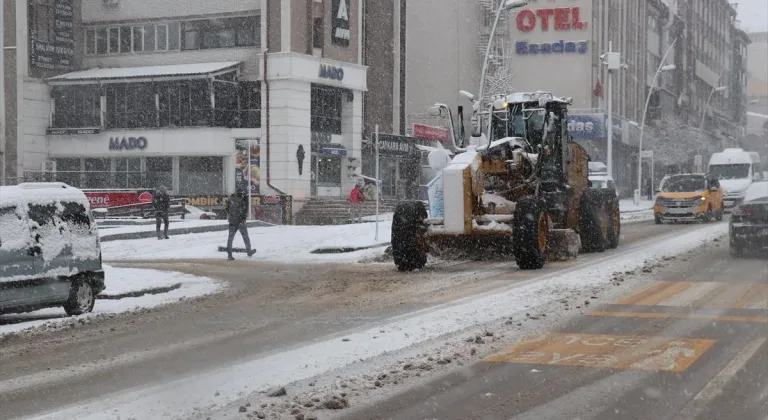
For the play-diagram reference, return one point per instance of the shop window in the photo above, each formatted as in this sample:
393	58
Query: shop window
159	172
128	39
131	106
114	40
76	106
138	38
226	98
201	175
250	104
101	41
128	172
68	171
185	103
221	33
328	171
149	36
325	109
97	173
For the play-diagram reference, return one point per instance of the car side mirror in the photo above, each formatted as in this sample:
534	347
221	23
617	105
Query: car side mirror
756	176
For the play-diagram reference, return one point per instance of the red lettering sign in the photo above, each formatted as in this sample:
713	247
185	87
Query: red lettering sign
431	132
565	18
103	200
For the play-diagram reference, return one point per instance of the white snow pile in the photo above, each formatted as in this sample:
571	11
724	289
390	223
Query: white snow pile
275	243
183	397
118	281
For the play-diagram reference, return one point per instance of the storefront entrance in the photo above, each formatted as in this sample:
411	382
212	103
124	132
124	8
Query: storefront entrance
399	165
326	174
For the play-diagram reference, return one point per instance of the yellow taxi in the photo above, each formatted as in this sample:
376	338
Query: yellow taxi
689	198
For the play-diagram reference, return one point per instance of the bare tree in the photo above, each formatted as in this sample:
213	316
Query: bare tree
675	143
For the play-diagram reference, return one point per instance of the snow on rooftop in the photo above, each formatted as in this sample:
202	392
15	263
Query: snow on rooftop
148	71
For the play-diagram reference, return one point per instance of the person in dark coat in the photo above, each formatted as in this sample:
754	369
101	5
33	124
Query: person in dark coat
161	203
237	214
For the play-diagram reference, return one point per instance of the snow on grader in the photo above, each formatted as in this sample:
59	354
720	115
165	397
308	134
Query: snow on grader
521	181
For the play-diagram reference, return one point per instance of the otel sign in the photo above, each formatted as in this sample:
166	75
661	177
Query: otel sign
559	19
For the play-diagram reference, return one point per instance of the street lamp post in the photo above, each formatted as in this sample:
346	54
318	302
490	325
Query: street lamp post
706	108
504	5
662	68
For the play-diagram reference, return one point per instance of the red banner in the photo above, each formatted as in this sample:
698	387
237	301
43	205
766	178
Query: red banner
431	132
106	199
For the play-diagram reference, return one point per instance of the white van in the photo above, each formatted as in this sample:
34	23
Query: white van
736	169
50	254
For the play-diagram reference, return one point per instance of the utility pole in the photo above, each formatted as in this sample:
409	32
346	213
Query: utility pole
613	61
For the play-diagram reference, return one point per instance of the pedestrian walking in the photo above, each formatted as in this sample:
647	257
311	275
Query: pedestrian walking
161	203
237	214
356	198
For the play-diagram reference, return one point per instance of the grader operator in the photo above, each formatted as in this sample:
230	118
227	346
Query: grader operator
525	182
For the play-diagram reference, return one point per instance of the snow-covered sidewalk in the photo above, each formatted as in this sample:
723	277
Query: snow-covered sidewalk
627	205
276	243
119	282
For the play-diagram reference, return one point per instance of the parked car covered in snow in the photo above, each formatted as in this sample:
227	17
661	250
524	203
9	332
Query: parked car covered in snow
50	254
196	213
748	227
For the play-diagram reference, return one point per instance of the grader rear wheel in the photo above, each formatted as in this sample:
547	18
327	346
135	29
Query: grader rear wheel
531	234
409	243
614	232
593	221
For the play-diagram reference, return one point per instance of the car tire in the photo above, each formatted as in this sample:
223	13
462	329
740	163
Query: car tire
658	219
709	216
719	214
81	297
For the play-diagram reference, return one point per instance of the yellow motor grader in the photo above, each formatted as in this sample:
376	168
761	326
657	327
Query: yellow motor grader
523	180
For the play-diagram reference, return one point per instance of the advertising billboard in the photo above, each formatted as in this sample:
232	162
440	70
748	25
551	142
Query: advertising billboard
586	126
51	39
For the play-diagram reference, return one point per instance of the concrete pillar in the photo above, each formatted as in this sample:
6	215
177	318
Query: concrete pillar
289	127
352	134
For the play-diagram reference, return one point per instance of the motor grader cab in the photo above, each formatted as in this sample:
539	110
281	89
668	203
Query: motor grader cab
522	180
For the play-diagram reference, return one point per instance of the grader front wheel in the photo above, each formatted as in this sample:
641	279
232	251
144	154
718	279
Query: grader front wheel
593	221
531	234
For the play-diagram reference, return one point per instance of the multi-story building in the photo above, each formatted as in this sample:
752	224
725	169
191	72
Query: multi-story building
757	67
38	41
176	92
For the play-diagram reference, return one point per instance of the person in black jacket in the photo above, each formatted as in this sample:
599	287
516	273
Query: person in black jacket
161	203
237	214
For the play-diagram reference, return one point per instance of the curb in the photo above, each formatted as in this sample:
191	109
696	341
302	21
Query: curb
138	293
178	231
342	250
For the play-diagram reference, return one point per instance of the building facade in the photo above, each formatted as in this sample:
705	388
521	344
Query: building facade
38	41
193	94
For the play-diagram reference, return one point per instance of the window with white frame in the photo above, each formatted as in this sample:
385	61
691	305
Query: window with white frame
146	38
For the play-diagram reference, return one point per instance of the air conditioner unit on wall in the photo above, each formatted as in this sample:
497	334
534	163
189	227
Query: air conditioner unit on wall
49	166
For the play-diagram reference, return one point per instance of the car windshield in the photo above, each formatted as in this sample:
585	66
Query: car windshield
684	184
730	171
756	192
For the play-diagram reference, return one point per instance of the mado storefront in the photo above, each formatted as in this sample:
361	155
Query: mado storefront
180	126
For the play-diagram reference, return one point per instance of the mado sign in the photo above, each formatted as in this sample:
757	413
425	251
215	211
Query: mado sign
586	126
559	47
127	143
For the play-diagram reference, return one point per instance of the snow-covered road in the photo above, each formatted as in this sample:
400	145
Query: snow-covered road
380	341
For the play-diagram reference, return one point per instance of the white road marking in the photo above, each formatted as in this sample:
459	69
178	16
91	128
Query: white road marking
715	387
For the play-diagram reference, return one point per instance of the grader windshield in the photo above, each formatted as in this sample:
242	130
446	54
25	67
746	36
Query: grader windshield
525	120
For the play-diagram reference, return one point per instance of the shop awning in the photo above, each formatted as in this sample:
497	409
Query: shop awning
149	73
